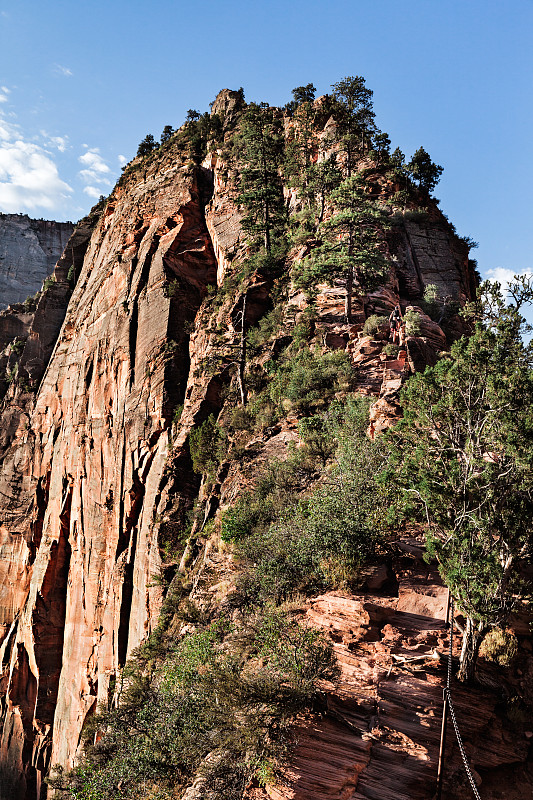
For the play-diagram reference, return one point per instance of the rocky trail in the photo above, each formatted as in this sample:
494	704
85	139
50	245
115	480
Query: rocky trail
378	736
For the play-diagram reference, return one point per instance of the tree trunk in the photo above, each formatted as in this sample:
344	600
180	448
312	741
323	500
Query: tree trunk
472	638
348	301
242	356
267	229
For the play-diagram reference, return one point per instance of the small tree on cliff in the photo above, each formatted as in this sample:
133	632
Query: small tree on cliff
423	170
166	133
465	447
259	147
354	116
303	143
351	244
147	146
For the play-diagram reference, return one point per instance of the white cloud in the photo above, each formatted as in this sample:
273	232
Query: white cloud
505	276
96	170
60	70
59	142
122	160
4	94
94	161
29	178
7	131
92	191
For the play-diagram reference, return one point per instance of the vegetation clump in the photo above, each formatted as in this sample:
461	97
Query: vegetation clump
375	324
215	703
499	646
302	543
464	454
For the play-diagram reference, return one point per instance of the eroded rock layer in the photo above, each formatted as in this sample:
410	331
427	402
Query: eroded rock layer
81	475
378	734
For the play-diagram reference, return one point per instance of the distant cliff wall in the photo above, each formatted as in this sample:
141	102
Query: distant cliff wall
29	249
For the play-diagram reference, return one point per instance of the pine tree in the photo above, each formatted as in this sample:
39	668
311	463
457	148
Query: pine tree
259	148
423	170
147	146
355	118
303	145
382	146
351	243
167	132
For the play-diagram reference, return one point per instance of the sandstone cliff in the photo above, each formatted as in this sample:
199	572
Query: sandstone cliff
96	477
29	250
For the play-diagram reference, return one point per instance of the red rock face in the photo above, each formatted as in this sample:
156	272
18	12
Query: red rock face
82	477
94	472
379	732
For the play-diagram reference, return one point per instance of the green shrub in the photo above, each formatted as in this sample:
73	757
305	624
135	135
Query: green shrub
391	350
431	293
275	493
207	446
412	323
416	215
267	328
248	514
177	414
304	329
374	324
306	381
225	692
431	304
320	540
172	289
17	346
499	646
241	419
317	437
48	282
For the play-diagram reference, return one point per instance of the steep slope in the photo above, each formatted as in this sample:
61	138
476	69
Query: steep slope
29	250
96	477
378	734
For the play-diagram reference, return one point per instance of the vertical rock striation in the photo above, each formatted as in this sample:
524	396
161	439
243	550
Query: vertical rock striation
81	471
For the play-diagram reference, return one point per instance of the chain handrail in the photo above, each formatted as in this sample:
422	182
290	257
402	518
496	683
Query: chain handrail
448	694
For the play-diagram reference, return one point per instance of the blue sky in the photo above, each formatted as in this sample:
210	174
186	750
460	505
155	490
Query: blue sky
82	84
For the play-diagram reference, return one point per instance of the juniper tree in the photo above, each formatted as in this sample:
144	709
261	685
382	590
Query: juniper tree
465	454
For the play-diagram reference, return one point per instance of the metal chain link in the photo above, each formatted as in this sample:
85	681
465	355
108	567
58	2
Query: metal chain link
461	747
450	652
447	692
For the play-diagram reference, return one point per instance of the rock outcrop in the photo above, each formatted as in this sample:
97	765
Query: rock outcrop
96	470
29	250
378	734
